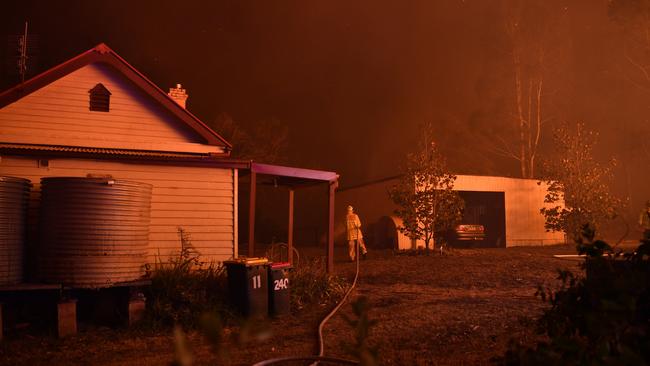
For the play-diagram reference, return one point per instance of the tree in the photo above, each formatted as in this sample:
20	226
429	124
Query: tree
575	178
533	32
633	16
266	142
427	203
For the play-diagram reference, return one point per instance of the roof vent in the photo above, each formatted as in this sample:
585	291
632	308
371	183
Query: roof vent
100	98
179	95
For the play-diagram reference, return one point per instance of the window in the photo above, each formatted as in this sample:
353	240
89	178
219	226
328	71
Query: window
100	98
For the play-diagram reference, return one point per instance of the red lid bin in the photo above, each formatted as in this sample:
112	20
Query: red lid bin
279	289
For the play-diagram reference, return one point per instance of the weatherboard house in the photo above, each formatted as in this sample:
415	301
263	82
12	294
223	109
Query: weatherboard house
95	116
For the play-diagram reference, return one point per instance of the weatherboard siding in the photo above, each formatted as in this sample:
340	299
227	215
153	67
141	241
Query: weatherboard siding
523	200
198	199
59	114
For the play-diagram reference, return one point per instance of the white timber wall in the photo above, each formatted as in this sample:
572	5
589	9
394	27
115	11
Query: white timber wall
523	200
58	114
200	200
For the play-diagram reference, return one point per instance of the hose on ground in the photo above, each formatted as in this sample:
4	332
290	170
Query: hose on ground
321	343
329	360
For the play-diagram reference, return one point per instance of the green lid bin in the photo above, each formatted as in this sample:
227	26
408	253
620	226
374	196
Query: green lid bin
248	286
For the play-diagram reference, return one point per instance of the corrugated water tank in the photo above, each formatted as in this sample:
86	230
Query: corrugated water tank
93	232
14	198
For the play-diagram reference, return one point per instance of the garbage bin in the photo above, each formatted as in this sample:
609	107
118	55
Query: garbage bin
248	285
279	289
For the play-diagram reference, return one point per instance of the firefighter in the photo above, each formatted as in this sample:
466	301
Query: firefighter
644	220
353	225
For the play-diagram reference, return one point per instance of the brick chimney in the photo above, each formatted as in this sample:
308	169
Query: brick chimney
178	94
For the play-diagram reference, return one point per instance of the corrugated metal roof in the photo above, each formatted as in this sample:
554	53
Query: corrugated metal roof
102	151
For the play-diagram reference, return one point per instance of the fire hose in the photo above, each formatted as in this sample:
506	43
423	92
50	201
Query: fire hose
321	342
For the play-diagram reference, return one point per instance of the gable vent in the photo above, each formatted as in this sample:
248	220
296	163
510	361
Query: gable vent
100	98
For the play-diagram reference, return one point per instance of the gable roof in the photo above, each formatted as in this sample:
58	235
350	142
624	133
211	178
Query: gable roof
103	54
99	89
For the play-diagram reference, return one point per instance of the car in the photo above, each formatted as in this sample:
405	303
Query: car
470	232
467	235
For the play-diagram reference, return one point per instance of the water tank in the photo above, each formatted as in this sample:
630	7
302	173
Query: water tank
93	232
14	198
390	236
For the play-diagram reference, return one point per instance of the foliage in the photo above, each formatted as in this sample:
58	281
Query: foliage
311	284
578	180
361	349
266	142
420	251
210	326
427	203
600	319
183	289
633	19
633	16
625	11
182	353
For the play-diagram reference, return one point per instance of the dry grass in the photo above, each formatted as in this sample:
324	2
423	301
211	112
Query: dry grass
461	308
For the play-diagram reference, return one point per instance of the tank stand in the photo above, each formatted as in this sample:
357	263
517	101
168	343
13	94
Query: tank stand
1	324
34	302
136	306
66	319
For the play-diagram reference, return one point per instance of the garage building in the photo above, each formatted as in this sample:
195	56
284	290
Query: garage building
509	208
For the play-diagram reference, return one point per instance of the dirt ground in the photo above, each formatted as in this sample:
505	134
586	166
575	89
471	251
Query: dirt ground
456	309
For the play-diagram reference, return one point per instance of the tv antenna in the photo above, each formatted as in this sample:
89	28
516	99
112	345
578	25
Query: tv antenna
22	60
22	56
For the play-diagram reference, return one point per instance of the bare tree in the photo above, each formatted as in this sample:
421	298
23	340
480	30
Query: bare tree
531	30
265	142
633	16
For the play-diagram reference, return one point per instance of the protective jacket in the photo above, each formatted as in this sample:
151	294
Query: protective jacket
353	226
644	220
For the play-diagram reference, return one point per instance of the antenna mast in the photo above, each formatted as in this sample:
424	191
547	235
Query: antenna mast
22	61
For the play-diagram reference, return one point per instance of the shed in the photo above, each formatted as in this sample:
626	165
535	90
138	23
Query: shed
97	115
509	208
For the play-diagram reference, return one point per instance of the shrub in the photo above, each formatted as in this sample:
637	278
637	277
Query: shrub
311	284
443	249
183	289
602	318
578	185
361	325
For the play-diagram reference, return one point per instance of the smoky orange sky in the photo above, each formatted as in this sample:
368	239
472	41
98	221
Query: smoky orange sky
353	79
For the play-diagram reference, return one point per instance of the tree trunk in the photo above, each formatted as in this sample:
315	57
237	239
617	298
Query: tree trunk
520	112
538	130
